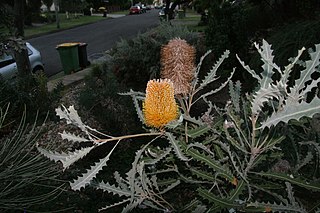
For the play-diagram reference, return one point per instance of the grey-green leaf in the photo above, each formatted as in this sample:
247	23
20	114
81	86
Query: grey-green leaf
293	110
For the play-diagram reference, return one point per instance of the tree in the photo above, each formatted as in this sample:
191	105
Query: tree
56	11
20	54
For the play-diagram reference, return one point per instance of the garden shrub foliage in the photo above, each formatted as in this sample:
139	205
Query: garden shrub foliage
137	60
231	156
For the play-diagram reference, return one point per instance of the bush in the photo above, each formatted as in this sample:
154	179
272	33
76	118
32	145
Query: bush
137	60
228	29
100	97
29	93
229	158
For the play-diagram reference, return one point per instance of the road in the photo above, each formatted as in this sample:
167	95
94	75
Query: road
99	36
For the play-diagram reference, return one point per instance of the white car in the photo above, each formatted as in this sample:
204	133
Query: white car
8	66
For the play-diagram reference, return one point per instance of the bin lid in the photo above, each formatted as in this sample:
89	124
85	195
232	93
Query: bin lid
82	44
70	44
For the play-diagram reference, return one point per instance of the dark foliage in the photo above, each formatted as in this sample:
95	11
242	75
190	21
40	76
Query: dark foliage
136	61
100	96
29	93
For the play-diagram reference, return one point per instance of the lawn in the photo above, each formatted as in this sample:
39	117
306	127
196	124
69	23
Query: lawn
64	24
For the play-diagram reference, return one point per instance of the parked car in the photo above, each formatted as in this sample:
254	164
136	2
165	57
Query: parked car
8	66
135	10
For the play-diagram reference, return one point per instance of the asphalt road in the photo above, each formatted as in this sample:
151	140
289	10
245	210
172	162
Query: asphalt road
99	36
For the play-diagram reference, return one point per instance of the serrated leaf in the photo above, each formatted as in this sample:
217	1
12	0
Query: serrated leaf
86	177
138	109
158	157
307	159
66	159
217	200
267	57
263	95
246	67
199	67
168	188
211	76
288	69
71	116
274	207
154	181
203	175
211	163
310	68
199	131
91	173
75	156
235	94
136	97
201	146
72	137
237	191
176	147
294	180
133	205
131	174
166	182
293	110
52	155
192	120
133	93
114	205
113	189
203	96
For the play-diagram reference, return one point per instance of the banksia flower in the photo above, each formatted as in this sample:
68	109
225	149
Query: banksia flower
159	106
178	64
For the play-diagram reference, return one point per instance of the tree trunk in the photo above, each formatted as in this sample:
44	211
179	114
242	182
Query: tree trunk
56	8
20	55
19	17
171	7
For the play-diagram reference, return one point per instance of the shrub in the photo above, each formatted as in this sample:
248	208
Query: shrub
26	177
31	93
228	29
137	60
229	158
100	97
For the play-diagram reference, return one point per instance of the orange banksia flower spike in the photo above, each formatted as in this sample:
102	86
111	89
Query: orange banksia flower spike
159	106
178	64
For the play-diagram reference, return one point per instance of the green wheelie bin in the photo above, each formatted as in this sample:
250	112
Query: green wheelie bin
69	57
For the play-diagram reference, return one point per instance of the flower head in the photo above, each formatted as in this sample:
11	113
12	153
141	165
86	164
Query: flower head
178	64
159	106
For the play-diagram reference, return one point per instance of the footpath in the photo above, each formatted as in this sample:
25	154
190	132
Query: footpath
72	78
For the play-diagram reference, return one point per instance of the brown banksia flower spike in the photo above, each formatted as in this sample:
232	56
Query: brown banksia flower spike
178	64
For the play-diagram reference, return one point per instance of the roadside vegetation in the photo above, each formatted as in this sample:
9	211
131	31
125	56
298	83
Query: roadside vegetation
245	139
65	23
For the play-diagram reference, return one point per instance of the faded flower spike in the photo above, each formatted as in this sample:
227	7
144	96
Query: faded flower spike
178	64
159	106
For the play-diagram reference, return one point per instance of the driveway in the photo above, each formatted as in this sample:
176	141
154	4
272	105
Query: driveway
99	36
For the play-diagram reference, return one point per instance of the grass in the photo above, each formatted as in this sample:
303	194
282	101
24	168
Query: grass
122	12
64	24
191	21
